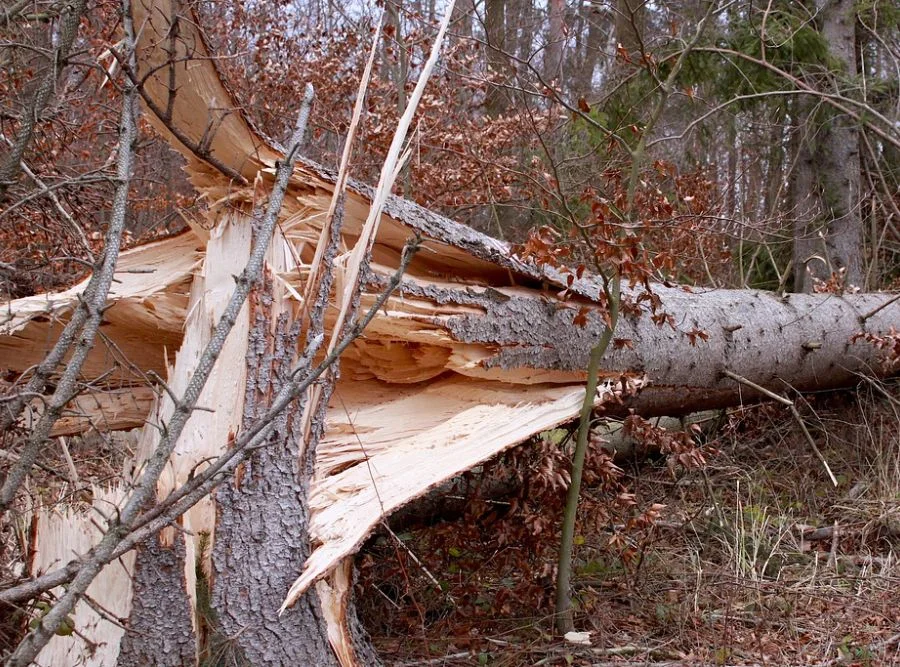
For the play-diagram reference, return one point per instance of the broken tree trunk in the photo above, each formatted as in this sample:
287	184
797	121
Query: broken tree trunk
471	355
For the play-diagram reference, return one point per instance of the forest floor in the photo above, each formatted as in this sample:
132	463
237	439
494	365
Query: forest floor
756	558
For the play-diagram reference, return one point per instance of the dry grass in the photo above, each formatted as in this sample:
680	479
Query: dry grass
756	559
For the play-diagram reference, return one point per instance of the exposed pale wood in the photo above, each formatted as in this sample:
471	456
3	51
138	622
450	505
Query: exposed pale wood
149	300
114	410
334	594
386	447
64	533
208	430
202	107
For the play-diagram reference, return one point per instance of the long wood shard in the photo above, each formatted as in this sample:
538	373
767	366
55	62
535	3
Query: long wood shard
148	306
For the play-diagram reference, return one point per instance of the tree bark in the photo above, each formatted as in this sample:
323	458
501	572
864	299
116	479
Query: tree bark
461	23
495	101
160	629
828	233
556	40
262	516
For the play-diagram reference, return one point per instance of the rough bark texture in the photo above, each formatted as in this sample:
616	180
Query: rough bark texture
801	341
160	630
262	538
826	183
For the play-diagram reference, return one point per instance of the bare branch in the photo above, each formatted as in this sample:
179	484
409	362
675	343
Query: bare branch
9	169
86	319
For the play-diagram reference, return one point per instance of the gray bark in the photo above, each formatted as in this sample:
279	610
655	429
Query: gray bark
525	28
798	341
461	24
591	49
827	176
159	629
495	101
556	40
261	539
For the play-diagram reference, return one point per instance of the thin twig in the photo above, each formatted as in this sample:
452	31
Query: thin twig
875	311
793	408
51	194
85	323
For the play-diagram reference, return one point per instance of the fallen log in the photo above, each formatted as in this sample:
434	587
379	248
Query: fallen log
472	354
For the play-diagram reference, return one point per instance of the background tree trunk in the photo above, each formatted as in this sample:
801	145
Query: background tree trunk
827	175
556	40
495	101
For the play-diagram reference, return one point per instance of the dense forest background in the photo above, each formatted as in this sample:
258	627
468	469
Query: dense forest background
781	125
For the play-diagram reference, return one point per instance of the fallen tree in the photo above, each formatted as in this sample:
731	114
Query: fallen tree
467	354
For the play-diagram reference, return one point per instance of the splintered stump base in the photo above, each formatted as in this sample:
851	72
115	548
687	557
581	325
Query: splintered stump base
469	356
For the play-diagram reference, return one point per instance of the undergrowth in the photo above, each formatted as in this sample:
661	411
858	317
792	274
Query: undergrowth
730	547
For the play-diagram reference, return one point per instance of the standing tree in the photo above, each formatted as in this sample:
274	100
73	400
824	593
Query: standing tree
828	237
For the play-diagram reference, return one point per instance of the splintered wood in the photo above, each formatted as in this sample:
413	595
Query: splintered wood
62	534
387	445
473	353
148	300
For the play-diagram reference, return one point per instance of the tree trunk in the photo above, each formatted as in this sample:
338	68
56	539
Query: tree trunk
262	517
556	40
495	101
463	11
828	233
591	47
